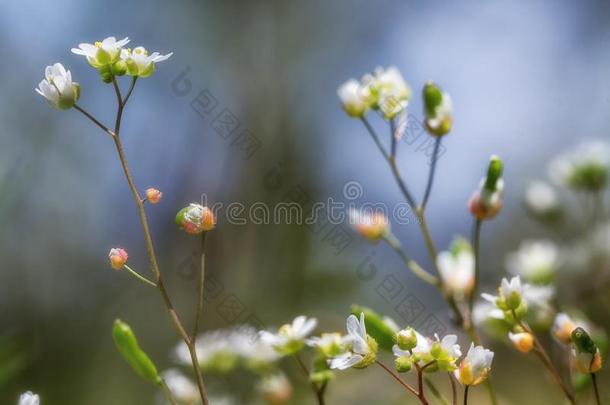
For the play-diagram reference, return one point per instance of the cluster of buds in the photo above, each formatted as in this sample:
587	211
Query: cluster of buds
195	219
437	109
486	202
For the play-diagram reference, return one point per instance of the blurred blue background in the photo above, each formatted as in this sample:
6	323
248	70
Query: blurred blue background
528	79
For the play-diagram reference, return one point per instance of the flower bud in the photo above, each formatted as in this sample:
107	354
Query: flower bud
523	341
195	219
585	355
406	339
484	208
118	258
58	88
438	109
486	202
119	68
373	226
494	173
128	346
354	98
106	73
403	364
153	195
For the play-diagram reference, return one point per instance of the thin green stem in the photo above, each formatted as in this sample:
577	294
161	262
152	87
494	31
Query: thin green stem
453	388
94	120
476	246
437	145
397	378
318	391
201	289
411	264
373	134
138	276
130	90
393	140
596	389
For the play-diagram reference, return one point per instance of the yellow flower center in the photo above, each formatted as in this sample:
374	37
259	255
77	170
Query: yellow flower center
98	44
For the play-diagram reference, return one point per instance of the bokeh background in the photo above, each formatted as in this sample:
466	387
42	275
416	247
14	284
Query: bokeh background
528	79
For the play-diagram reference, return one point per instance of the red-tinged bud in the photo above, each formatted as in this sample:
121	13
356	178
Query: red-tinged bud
118	258
485	206
195	219
153	195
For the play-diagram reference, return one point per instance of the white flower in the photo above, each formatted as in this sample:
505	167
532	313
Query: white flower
372	226
563	326
140	63
29	398
536	261
275	388
510	294
522	341
541	198
58	88
389	91
362	350
182	388
355	98
511	287
584	168
328	344
422	345
475	367
290	337
446	352
101	53
457	268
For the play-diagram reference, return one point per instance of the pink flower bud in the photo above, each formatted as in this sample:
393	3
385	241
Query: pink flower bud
195	219
118	258
153	195
484	205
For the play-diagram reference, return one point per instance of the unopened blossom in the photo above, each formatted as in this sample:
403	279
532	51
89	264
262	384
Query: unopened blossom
406	339
140	63
195	219
446	351
327	344
355	98
372	226
438	110
290	338
118	257
361	349
510	294
536	261
585	354
153	195
564	325
541	199
456	268
418	353
585	168
522	341
29	398
275	389
486	202
58	88
102	53
475	367
389	91
184	391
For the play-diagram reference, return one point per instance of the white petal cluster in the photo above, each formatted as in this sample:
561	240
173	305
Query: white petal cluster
361	350
536	261
584	168
475	367
290	338
541	198
140	63
29	398
457	268
102	53
58	88
355	98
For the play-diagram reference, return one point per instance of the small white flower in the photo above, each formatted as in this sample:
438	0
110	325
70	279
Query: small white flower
362	350
511	287
564	324
101	53
450	346
182	388
475	367
536	261
29	398
275	388
584	168
354	97
328	344
290	338
140	63
457	268
58	88
389	91
541	198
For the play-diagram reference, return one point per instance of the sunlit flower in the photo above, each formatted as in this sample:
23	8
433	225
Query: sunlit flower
584	168
101	53
58	88
355	98
118	257
290	338
29	398
153	195
446	352
361	348
510	294
417	347
536	261
541	199
328	344
406	339
183	390
140	63
438	109
522	341
372	226
275	389
389	91
457	268
195	219
475	367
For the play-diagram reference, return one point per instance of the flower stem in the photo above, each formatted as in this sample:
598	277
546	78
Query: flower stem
596	389
437	145
201	289
411	264
400	380
453	389
94	120
466	394
318	391
476	246
373	134
138	276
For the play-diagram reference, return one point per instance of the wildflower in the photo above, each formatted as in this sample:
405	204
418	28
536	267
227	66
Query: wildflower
457	267
182	388
536	261
275	388
118	258
475	367
406	339
541	200
58	88
438	109
389	91
361	348
195	219
486	202
373	226
523	341
290	338
354	97
29	398
153	195
446	352
585	168
102	53
328	344
510	294
417	349
585	354
139	63
564	325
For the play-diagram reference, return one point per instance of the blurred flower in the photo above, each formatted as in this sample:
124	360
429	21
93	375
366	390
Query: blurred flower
290	338
328	344
586	357
438	109
457	267
389	91
522	341
446	352
541	199
195	219
354	97
153	195
540	310
118	257
29	398
372	226
275	389
536	261
510	294
101	53
584	168
183	390
361	348
564	325
139	63
58	88
475	367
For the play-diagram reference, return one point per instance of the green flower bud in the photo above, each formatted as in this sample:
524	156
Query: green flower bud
106	73
128	346
583	341
494	173
376	327
403	364
433	97
437	109
406	339
119	68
